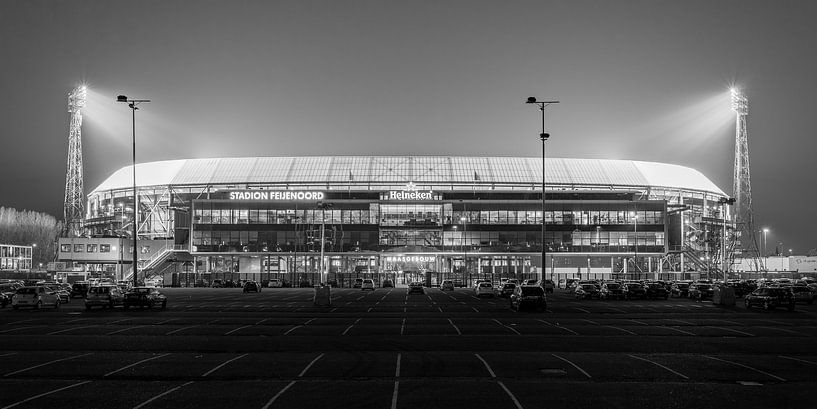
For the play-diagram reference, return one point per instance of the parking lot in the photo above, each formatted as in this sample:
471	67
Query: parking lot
388	349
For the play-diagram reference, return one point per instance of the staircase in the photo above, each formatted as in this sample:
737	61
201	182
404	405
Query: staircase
691	257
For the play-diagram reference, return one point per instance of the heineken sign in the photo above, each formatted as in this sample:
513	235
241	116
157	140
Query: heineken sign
276	195
410	193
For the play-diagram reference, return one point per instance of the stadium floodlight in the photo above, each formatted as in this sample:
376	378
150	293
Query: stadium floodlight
132	104
543	137
740	103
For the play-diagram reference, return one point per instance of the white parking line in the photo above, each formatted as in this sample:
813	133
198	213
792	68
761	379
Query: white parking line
166	321
732	330
621	329
114	322
747	367
180	329
440	308
574	365
281	392
162	394
292	329
47	363
126	329
727	321
513	398
134	364
225	363
488	367
582	310
475	309
403	326
21	321
455	327
81	319
591	321
350	327
639	322
507	326
784	330
8	354
681	321
19	328
70	329
560	327
300	375
657	364
237	329
680	330
798	360
262	321
44	394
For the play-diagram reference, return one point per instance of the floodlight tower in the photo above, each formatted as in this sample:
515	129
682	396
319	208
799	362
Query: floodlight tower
74	205
741	183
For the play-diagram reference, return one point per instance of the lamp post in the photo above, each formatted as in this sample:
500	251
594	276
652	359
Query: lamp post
132	103
765	255
323	206
543	137
634	215
723	202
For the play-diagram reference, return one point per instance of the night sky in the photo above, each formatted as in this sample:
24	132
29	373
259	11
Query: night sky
641	80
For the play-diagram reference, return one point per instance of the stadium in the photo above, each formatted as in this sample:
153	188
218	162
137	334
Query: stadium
333	219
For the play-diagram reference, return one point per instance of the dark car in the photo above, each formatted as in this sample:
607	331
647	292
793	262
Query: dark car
105	296
416	288
656	290
528	296
679	289
611	291
79	289
701	291
634	290
587	291
507	290
252	286
770	298
144	297
387	283
802	294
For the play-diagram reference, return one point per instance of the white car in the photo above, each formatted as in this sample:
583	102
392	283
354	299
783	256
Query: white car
35	297
368	284
275	283
484	288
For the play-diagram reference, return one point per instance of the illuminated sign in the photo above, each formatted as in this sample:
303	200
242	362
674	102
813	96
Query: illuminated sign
411	259
410	193
275	195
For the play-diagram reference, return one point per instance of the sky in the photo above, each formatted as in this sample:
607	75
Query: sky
641	80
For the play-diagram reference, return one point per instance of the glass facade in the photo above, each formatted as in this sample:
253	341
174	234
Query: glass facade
15	257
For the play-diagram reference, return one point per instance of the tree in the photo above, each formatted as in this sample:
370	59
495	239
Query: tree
25	228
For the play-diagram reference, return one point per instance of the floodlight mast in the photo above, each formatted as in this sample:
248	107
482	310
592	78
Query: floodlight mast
74	204
741	183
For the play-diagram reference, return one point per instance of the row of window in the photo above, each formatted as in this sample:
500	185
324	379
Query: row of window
15	251
85	248
400	215
10	263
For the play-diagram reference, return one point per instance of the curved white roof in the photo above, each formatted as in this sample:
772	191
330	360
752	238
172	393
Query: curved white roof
399	170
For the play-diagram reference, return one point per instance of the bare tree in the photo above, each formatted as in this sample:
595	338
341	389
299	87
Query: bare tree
25	228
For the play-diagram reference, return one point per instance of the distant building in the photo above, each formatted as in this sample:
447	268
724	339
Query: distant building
17	258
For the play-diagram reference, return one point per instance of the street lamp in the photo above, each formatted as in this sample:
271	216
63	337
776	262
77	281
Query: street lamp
765	255
723	202
543	137
132	103
323	206
634	215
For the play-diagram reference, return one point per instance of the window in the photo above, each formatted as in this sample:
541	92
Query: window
78	248
64	248
104	248
91	248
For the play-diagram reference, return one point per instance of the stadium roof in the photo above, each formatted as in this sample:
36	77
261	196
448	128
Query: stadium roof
400	170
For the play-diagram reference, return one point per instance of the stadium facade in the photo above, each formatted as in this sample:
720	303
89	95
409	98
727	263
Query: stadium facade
410	218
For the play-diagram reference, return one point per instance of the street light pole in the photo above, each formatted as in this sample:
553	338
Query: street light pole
765	255
132	103
543	137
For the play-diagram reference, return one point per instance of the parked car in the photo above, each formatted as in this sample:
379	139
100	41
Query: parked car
387	283
586	291
548	286
530	282
656	290
368	284
802	294
528	296
217	283
701	291
484	289
105	296
634	290
447	285
275	283
252	286
770	298
679	289
358	283
35	297
144	297
416	288
79	289
611	291
507	289
4	300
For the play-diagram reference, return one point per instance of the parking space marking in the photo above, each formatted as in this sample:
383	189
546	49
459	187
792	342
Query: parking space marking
78	319
225	363
488	367
732	330
334	309
475	309
403	326
621	329
440	308
455	327
8	354
47	363
747	367
507	326
126	329
292	329
134	364
574	365
350	327
262	321
560	327
681	321
70	329
112	322
19	328
681	331
167	392
166	321
237	329
581	309
281	392
784	330
659	365
513	398
727	321
44	394
21	321
798	360
591	321
639	322
777	322
300	375
180	329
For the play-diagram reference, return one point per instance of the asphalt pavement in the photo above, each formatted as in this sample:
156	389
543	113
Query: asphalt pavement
214	348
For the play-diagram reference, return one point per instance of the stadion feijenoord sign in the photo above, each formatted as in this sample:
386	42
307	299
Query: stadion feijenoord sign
276	195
